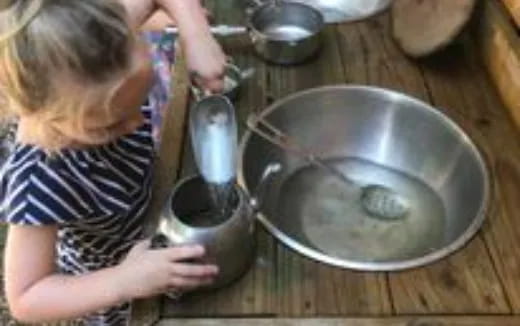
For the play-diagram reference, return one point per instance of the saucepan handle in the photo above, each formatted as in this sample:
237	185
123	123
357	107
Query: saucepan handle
259	193
219	30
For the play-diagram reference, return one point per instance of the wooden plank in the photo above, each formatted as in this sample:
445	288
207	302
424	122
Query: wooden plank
282	282
166	166
513	6
503	233
499	43
459	284
308	288
300	285
458	83
370	57
251	295
396	321
466	282
270	287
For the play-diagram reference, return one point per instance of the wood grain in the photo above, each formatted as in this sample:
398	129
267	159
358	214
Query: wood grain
166	166
481	278
282	282
400	321
513	6
466	282
460	284
499	43
465	94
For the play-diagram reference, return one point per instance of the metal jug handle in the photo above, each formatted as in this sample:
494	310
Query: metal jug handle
256	200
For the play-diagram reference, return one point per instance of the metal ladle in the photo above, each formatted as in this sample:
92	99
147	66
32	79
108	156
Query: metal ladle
377	200
213	133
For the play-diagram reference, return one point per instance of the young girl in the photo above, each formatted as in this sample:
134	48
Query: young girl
74	191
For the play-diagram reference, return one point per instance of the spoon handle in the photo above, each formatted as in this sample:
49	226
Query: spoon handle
220	30
282	140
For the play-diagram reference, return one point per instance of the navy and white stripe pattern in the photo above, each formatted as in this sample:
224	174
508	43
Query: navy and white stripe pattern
97	196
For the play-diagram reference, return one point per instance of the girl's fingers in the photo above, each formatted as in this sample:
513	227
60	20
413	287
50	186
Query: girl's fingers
191	270
184	252
216	85
188	283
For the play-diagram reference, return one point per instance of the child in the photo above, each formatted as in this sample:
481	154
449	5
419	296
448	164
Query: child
76	187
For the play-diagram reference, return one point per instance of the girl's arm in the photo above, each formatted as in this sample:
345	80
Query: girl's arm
158	21
204	55
36	293
139	11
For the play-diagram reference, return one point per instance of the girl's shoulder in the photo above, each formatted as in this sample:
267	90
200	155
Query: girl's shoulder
37	188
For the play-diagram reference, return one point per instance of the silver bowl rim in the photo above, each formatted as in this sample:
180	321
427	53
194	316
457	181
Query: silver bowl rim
382	8
386	266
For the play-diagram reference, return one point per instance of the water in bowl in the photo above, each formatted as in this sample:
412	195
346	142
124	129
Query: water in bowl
331	219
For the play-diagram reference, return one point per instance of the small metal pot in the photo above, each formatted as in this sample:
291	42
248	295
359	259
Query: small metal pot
229	244
281	32
285	32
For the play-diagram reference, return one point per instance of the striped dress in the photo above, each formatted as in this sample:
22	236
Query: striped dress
97	196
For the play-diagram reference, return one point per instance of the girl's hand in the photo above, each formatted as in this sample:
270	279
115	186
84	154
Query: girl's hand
206	61
146	272
204	56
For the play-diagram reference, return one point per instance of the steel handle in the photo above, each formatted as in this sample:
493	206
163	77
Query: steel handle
220	30
259	192
280	139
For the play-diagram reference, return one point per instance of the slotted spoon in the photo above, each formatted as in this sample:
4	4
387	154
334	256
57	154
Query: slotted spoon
377	200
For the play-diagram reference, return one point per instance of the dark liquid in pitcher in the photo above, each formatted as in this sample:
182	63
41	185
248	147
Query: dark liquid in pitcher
222	203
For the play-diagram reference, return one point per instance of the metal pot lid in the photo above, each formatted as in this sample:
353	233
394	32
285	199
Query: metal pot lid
340	11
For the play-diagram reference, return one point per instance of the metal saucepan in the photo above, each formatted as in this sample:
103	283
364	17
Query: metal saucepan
230	243
281	32
285	32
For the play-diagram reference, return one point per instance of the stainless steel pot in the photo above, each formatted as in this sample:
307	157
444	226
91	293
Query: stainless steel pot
281	32
229	244
285	32
372	135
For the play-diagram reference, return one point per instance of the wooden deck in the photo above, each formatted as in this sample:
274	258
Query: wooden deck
478	285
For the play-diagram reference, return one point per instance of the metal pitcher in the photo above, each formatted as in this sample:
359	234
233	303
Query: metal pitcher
230	244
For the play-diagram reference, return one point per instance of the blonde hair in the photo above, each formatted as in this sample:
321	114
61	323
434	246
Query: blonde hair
47	42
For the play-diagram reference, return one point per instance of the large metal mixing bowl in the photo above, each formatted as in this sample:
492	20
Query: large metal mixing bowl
375	136
337	11
341	11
